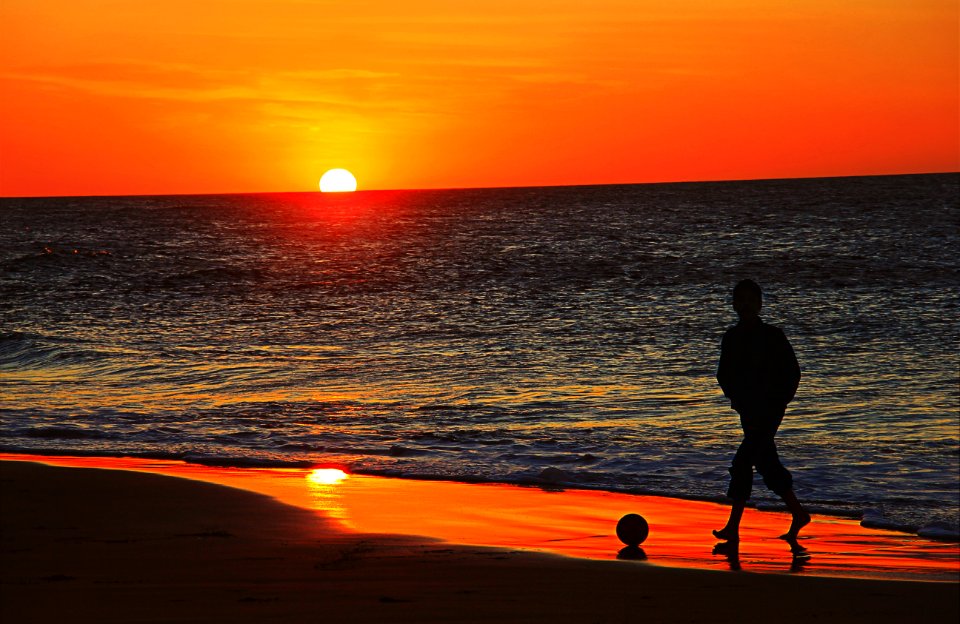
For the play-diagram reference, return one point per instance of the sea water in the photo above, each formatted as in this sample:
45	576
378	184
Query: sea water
567	335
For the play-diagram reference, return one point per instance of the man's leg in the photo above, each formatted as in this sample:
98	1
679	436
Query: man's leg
731	532
741	485
779	479
800	516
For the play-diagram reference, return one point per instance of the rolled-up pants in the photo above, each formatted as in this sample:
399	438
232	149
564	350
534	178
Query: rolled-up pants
760	424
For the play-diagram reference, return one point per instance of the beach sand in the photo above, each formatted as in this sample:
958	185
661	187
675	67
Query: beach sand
89	544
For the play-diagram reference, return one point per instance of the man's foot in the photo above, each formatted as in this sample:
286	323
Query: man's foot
727	534
799	521
795	547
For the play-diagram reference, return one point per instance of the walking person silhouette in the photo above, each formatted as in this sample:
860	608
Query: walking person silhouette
759	373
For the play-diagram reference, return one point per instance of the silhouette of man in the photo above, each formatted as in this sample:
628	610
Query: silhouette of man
759	373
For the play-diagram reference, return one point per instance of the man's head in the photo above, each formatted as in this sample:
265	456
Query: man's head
747	299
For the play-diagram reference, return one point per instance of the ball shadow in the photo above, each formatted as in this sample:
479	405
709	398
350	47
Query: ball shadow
632	553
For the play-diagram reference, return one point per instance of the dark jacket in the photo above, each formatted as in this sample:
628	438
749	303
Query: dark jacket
757	366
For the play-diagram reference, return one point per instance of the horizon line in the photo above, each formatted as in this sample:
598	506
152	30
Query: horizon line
478	188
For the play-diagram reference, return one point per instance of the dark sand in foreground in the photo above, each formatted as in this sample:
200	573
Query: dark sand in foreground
90	545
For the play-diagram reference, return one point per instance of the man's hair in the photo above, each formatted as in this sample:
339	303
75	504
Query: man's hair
750	286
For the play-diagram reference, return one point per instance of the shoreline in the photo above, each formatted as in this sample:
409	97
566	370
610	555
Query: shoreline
106	545
552	481
572	523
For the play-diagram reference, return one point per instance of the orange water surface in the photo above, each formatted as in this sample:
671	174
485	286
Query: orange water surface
576	523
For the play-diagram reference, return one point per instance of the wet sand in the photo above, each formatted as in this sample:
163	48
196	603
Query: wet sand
89	544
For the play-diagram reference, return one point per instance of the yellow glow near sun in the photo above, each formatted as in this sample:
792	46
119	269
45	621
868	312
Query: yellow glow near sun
338	181
327	476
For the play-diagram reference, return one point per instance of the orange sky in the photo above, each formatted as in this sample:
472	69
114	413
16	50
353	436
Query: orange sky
184	96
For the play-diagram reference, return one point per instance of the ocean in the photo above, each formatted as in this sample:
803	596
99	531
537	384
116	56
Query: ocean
565	336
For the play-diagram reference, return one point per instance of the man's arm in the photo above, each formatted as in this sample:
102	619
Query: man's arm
725	368
790	369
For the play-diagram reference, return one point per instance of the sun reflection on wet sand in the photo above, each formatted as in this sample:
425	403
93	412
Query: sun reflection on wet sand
575	523
325	493
326	476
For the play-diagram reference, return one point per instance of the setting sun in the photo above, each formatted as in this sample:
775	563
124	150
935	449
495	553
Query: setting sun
338	181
